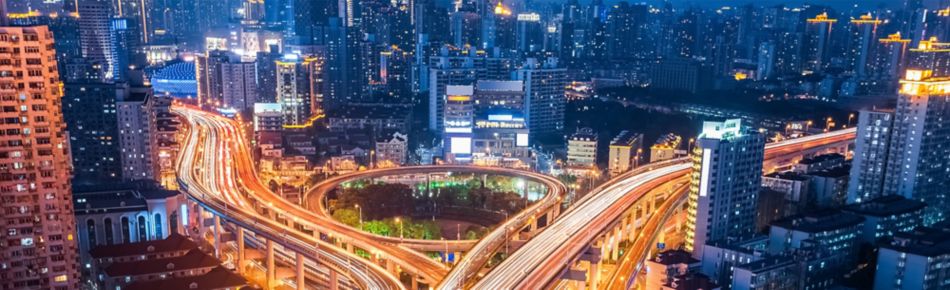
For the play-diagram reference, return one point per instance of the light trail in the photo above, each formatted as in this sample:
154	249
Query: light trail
541	259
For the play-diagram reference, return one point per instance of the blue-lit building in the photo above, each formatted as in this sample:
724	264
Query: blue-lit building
176	80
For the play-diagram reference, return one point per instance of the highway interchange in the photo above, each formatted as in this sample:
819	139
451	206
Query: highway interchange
216	170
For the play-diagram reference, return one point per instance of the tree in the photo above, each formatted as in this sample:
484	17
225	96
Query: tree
347	216
378	227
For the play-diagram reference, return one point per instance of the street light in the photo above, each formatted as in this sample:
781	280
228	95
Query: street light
398	221
850	118
361	214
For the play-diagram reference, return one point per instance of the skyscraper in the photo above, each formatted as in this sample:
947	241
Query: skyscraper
916	164
300	88
95	36
726	178
39	251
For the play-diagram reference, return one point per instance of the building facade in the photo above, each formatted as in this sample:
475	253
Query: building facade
726	178
40	231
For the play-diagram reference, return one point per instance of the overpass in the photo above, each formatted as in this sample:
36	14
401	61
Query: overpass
215	171
477	253
542	260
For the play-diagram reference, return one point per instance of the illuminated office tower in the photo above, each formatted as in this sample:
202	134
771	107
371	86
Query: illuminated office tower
39	249
725	182
300	88
817	45
459	121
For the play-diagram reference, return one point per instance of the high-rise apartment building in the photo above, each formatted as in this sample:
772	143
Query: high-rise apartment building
862	44
222	77
133	133
544	90
869	163
95	34
90	113
817	45
39	247
726	180
916	142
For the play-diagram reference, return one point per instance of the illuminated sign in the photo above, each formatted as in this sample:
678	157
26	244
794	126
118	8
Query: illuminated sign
533	17
461	145
521	140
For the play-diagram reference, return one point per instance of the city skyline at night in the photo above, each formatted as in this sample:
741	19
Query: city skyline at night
474	144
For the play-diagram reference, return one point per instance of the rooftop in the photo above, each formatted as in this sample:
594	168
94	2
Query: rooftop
923	241
768	264
885	206
820	221
626	138
584	134
174	242
217	278
693	282
375	111
123	197
194	259
840	171
673	257
788	175
822	158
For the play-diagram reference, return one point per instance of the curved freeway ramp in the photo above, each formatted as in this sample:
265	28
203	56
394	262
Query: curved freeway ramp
206	179
237	182
542	258
478	253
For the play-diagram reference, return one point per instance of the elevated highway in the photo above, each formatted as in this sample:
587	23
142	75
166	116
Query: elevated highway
543	259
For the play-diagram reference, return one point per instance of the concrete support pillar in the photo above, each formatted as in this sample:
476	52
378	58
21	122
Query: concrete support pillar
217	237
391	267
349	248
240	250
334	280
271	268
300	272
415	283
631	229
593	274
457	256
200	220
615	248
